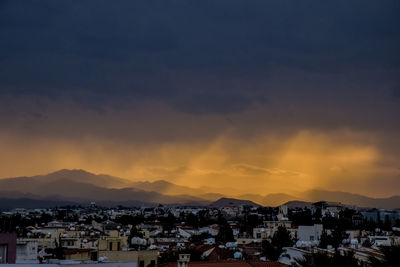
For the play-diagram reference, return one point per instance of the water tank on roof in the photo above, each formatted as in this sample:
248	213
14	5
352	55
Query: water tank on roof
237	255
231	244
103	259
138	241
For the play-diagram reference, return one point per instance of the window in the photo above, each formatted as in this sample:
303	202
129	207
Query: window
119	245
141	264
110	244
258	235
311	238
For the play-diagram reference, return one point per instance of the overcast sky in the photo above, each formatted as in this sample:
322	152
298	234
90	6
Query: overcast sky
272	96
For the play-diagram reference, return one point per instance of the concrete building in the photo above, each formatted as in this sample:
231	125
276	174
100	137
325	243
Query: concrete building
371	215
8	248
27	251
388	216
142	258
271	227
309	233
115	248
183	260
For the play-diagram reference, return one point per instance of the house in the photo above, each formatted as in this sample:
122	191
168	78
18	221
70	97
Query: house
310	233
27	251
183	260
260	233
113	242
276	224
378	241
70	242
142	258
389	216
353	234
371	215
212	230
115	248
183	233
271	227
81	254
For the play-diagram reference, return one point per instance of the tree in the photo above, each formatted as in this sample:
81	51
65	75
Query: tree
334	239
58	251
271	251
225	233
192	220
337	237
199	238
325	240
303	217
282	237
134	233
274	248
168	222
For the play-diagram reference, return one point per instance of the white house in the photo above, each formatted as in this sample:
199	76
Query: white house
27	251
310	233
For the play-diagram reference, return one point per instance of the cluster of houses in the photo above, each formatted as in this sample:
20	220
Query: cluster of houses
149	243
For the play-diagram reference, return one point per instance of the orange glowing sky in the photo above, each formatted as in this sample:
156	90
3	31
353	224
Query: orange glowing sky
267	161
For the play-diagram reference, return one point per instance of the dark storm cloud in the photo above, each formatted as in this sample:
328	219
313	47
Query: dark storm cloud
300	94
197	56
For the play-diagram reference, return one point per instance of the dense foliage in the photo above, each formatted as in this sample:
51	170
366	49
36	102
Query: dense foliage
273	248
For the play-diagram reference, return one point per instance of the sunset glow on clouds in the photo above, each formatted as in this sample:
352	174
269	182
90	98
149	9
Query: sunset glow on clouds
265	162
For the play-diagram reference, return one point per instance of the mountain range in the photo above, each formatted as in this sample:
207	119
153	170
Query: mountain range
79	186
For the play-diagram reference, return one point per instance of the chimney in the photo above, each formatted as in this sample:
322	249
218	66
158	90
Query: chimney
183	260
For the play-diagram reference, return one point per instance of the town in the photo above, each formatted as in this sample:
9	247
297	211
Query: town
233	234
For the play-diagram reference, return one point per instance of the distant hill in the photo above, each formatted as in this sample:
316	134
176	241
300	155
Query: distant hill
28	203
298	204
315	195
167	188
351	199
223	202
24	183
81	186
311	196
39	182
67	186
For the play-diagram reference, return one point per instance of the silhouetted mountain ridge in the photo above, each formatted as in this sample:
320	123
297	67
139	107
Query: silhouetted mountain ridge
82	186
223	202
